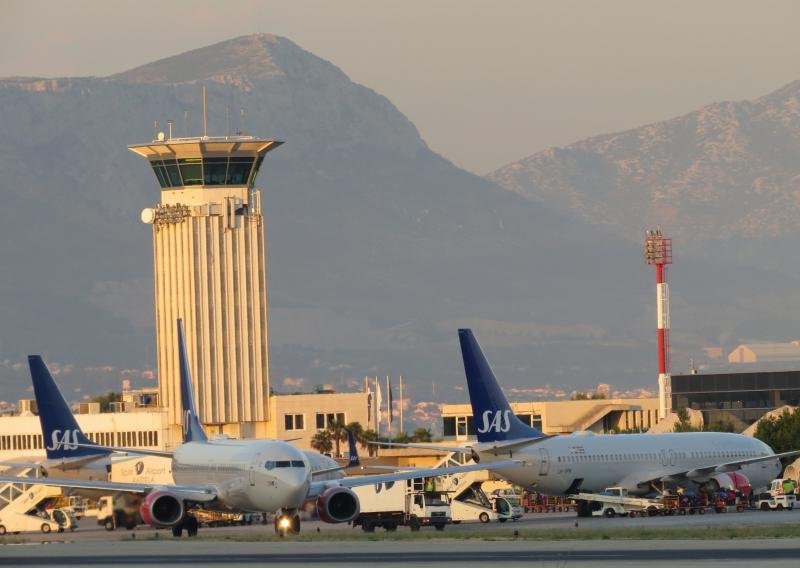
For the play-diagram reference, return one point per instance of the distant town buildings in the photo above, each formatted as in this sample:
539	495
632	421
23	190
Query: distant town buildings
766	353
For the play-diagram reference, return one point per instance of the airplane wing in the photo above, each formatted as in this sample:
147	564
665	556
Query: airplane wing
640	478
449	449
198	494
329	470
497	448
318	487
137	451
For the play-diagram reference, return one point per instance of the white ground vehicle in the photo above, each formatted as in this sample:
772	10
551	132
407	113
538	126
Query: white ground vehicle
64	517
390	505
615	501
17	522
506	505
112	512
769	502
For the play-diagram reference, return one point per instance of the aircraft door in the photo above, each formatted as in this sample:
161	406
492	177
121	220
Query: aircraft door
544	461
255	465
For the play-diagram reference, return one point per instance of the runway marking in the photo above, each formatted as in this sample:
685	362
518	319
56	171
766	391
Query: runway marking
432	557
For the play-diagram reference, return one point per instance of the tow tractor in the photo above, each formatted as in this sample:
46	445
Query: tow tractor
781	496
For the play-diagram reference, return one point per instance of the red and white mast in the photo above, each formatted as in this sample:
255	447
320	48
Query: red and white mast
658	253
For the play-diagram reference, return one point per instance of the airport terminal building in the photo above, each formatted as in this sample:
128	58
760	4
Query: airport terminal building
735	396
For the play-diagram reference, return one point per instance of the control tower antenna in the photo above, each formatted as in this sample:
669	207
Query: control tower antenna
169	126
185	123
658	253
205	116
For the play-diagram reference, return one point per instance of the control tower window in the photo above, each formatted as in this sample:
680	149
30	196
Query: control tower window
255	170
191	170
161	173
239	170
215	171
171	166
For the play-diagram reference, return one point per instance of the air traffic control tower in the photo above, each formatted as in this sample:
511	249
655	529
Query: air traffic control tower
210	270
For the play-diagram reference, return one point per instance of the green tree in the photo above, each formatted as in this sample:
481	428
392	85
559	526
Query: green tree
322	442
402	438
781	433
422	435
105	400
683	424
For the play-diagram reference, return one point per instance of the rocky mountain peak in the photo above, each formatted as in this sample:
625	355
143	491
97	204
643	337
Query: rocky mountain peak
245	58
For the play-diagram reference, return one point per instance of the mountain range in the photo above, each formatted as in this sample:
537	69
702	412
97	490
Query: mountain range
379	248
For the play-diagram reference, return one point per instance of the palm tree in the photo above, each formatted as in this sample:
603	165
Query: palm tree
370	436
338	433
322	442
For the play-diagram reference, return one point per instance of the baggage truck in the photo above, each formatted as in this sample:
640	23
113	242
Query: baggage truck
402	503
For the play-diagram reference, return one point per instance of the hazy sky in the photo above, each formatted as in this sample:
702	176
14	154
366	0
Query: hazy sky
486	82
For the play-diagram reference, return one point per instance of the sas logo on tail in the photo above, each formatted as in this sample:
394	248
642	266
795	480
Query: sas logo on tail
500	422
68	440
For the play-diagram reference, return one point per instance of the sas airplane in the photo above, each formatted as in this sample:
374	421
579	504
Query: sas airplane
239	475
585	462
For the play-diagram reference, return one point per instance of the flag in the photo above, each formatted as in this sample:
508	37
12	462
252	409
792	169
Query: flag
389	408
378	402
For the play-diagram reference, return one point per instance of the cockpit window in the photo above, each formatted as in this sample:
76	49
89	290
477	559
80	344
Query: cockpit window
298	463
270	465
286	463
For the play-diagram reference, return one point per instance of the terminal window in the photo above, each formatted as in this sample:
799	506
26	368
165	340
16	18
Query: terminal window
326	419
294	422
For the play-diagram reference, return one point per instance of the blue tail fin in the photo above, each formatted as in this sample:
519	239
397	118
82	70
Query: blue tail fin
192	430
494	419
353	460
60	431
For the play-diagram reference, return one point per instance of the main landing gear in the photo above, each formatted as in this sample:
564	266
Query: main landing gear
189	523
287	522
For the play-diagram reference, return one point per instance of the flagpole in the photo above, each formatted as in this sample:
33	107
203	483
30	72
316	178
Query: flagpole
389	406
402	429
377	408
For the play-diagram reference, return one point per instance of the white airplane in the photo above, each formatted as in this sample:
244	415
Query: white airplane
565	465
240	475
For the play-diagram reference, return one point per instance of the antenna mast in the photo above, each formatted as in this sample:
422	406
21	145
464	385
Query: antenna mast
205	116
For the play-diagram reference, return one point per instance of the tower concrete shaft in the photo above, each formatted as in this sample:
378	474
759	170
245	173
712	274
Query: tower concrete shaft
210	270
658	253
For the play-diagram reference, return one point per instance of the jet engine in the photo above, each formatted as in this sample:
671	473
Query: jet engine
161	509
732	480
337	505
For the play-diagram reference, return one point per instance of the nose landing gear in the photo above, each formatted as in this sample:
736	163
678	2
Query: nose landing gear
287	522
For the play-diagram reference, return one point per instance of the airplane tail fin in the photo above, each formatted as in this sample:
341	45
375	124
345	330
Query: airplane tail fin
192	429
353	460
492	414
62	436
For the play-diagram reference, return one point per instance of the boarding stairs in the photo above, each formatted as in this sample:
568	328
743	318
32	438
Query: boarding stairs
465	486
19	499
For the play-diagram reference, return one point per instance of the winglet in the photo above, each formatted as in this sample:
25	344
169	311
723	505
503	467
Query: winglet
353	460
63	438
192	430
494	419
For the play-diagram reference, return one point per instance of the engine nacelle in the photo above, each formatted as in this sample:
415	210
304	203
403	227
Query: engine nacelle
732	480
338	505
161	509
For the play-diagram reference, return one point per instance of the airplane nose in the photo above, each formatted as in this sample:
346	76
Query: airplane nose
295	487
